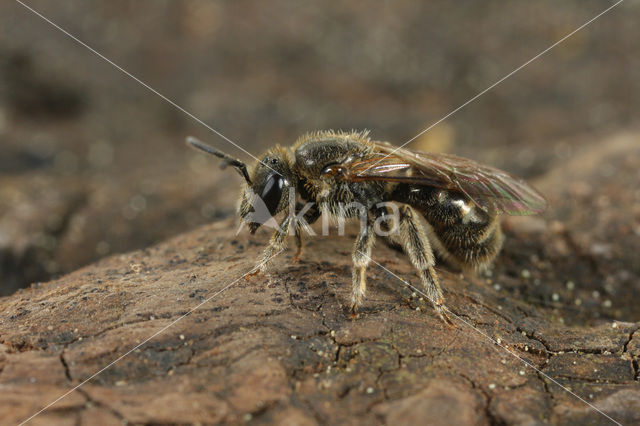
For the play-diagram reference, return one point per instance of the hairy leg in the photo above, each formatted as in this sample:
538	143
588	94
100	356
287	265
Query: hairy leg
299	245
361	257
310	216
417	247
277	243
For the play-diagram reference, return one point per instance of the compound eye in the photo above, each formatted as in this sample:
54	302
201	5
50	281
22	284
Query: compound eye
272	192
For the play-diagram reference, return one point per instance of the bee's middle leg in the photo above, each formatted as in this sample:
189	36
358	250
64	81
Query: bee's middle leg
417	247
299	243
310	217
361	258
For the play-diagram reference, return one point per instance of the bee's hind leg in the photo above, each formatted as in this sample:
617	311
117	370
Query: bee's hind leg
417	247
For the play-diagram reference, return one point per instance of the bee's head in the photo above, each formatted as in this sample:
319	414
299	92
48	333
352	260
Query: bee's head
267	192
267	188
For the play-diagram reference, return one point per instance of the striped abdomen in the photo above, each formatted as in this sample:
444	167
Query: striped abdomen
460	231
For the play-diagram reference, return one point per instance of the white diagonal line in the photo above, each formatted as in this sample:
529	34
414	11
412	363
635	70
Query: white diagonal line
174	104
142	83
495	342
496	83
163	329
248	153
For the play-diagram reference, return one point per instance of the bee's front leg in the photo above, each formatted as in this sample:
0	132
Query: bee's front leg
277	244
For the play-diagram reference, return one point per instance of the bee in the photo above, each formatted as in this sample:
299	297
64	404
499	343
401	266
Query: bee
459	199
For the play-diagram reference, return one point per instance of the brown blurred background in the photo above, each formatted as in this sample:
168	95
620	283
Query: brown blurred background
92	163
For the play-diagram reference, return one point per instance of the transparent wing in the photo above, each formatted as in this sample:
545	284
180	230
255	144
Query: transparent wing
486	186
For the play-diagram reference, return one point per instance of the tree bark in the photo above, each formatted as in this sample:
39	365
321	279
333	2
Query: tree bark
186	339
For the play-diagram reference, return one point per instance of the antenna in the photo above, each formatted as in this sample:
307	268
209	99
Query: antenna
226	159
